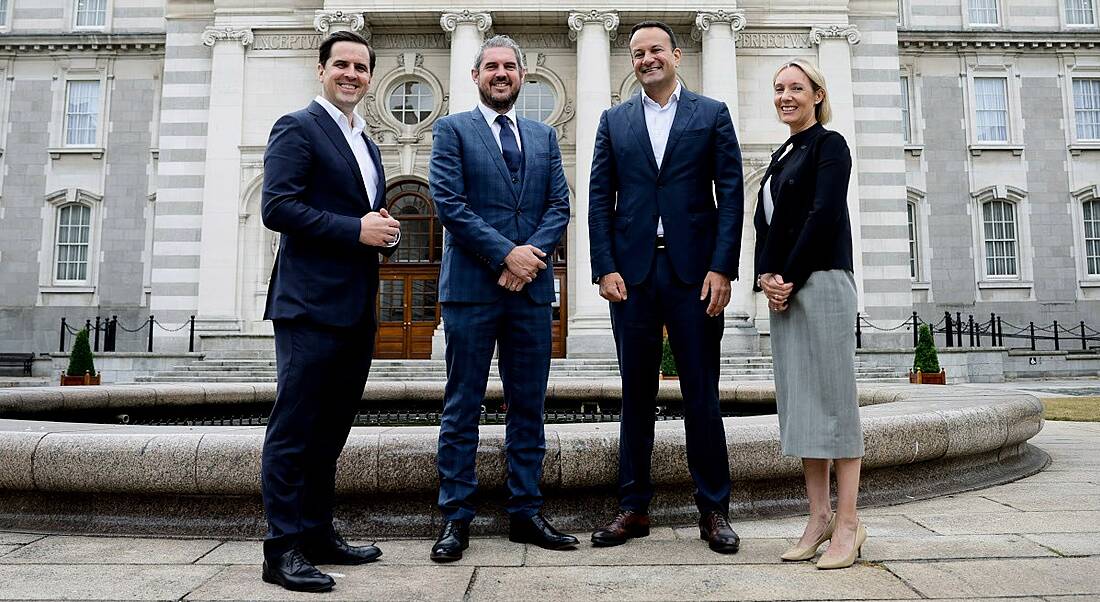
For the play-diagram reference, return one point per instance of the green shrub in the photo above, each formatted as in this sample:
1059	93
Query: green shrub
668	363
924	357
80	360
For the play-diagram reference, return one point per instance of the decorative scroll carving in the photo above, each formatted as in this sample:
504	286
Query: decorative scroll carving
704	19
773	40
609	19
418	60
325	19
834	31
449	21
211	35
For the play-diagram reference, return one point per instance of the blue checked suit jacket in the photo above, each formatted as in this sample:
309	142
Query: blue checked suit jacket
485	214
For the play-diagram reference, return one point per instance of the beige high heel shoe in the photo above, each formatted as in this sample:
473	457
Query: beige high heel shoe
808	552
850	559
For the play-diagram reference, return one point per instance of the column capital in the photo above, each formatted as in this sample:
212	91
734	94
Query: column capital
449	20
578	19
211	35
703	20
834	31
324	20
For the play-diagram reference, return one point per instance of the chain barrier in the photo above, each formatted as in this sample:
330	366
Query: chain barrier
109	327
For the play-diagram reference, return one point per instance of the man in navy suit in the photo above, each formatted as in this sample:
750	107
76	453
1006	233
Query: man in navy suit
500	191
665	213
324	191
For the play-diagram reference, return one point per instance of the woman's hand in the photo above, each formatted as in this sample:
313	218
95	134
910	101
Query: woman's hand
777	291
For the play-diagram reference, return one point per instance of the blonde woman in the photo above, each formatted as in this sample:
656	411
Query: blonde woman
804	266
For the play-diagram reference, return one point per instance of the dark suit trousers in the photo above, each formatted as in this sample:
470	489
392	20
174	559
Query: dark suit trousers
522	330
321	373
663	300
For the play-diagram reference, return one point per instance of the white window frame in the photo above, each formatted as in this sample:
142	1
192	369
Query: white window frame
1021	211
71	17
554	109
908	70
1078	198
94	69
1073	109
381	124
5	19
49	283
993	67
916	199
66	124
904	14
1063	13
968	24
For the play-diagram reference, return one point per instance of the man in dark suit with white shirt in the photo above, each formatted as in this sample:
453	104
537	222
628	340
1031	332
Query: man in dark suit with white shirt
665	213
324	192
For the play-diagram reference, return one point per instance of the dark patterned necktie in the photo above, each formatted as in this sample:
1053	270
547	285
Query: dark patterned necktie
512	157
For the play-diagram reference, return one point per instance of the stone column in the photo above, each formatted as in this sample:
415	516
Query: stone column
218	307
466	31
834	58
718	32
589	320
332	21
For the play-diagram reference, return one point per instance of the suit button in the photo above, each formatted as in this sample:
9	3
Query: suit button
519	212
515	180
790	181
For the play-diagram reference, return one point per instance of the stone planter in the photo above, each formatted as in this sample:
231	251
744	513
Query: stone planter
928	378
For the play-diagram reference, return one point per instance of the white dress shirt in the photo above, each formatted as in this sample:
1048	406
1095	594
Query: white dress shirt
491	118
658	121
353	133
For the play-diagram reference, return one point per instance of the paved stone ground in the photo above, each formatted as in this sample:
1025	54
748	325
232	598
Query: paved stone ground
1034	540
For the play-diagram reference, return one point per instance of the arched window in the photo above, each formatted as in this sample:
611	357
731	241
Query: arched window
536	100
409	202
1000	238
411	101
73	238
1091	213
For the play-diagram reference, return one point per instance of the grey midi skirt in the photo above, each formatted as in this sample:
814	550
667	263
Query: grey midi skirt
813	349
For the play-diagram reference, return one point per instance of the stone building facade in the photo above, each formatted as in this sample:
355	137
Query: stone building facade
132	160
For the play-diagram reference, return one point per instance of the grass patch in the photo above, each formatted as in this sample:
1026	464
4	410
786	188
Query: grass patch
1080	409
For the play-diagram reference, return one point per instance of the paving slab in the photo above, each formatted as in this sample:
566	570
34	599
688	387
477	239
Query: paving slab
1072	475
940	547
723	582
7	549
367	582
1069	544
1015	577
13	538
889	525
657	552
483	551
89	582
1009	522
235	552
1034	501
945	505
64	549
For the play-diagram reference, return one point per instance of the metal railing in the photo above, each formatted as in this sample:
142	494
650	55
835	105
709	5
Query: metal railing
109	328
958	332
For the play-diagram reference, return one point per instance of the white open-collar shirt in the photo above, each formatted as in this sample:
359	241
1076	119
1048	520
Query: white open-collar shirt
353	133
658	121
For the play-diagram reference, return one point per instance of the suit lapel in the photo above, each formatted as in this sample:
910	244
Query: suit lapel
337	138
636	118
685	108
495	154
376	157
530	148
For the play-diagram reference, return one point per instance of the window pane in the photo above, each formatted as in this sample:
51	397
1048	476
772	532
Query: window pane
906	126
1079	12
983	12
911	210
3	12
73	234
1091	211
536	100
82	113
411	102
991	109
91	13
1086	105
1000	238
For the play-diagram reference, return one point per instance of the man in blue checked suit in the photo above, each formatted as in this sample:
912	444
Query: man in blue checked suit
500	192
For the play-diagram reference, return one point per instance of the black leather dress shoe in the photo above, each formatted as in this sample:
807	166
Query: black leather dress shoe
715	529
292	571
626	525
334	550
454	537
537	530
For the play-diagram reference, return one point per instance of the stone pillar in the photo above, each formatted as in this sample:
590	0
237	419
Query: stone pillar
834	58
589	320
465	29
718	32
331	21
218	307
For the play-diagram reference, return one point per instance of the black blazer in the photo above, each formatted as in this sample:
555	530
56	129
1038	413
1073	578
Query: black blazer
810	230
314	196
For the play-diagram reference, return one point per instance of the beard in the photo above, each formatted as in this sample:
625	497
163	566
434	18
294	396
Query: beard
497	104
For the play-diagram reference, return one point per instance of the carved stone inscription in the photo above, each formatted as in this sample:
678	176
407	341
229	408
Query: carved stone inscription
287	41
773	40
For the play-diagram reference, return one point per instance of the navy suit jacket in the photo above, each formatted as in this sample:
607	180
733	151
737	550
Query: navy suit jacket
314	196
485	214
698	192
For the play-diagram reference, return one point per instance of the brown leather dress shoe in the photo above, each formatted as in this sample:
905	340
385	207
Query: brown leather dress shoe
626	525
715	529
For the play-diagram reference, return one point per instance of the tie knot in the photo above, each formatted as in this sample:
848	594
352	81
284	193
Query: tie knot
503	120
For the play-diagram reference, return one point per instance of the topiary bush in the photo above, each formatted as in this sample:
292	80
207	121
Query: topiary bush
924	358
668	363
80	359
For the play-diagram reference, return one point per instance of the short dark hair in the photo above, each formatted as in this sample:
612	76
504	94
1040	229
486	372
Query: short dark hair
659	25
344	36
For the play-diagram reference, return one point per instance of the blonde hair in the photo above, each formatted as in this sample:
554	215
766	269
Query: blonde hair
822	111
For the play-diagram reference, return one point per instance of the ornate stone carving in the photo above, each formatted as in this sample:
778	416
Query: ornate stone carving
773	40
406	41
325	19
287	41
609	19
704	19
834	31
449	21
418	60
211	35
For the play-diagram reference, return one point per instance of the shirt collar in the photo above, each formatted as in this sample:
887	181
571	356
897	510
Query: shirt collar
491	116
671	99
357	124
